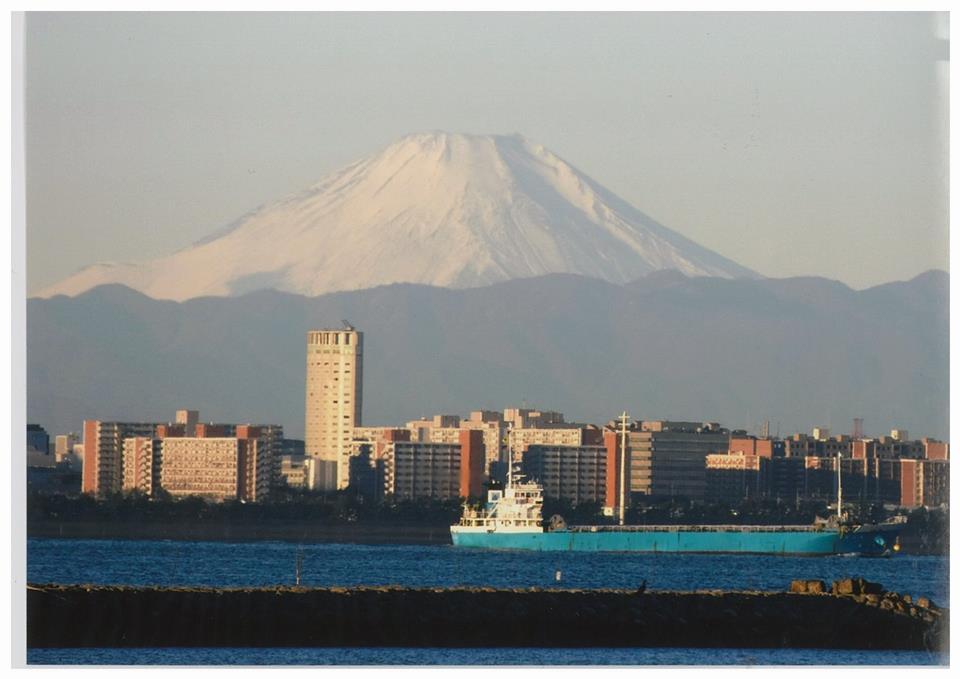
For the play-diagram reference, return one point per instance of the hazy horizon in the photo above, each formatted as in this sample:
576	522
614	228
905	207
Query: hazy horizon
793	144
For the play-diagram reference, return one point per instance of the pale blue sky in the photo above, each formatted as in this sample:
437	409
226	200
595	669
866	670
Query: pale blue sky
795	144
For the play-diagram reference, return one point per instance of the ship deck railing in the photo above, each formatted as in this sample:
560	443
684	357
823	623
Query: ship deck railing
719	528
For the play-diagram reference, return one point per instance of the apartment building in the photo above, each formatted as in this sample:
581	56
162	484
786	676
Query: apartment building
575	474
334	398
141	464
103	453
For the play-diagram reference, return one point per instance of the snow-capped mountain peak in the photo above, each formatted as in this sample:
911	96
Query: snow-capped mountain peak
451	210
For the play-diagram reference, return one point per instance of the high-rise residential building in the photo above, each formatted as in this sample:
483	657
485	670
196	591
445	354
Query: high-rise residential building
576	474
242	466
447	428
103	453
141	464
205	467
734	476
762	447
663	458
261	460
803	445
518	440
443	471
243	462
334	401
391	464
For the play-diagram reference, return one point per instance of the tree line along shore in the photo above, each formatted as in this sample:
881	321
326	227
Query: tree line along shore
340	517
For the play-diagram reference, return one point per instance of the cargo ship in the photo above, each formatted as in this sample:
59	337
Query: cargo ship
512	519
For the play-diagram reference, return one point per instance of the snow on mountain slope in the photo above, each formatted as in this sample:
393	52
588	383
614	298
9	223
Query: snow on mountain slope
441	209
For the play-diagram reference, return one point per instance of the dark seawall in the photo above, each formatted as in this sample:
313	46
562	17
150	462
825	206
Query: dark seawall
96	616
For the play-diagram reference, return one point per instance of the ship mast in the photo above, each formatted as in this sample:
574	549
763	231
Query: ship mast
509	456
839	491
623	463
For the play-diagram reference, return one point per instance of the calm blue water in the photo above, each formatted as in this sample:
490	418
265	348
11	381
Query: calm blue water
222	564
473	656
168	563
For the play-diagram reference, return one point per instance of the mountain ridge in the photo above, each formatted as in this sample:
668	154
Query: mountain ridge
444	209
933	276
735	351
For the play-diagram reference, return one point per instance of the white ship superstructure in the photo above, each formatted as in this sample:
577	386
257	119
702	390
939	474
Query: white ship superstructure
516	509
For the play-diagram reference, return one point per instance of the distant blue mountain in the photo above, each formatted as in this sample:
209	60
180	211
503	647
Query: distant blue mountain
799	352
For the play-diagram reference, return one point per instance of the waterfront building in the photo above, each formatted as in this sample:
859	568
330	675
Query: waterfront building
765	447
218	468
264	445
873	473
37	439
63	446
334	397
887	448
141	464
912	483
526	426
494	443
372	466
906	482
447	428
133	456
394	465
442	471
203	467
293	471
785	479
819	445
103	453
933	482
436	429
735	476
664	458
668	459
518	440
576	474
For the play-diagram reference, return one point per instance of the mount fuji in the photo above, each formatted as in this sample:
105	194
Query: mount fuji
447	210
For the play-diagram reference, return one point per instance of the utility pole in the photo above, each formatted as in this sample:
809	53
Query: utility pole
623	463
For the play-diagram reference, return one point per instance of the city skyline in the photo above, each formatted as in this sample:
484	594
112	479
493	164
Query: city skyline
489	338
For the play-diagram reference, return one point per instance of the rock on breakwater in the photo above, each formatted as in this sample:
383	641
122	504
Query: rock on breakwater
97	616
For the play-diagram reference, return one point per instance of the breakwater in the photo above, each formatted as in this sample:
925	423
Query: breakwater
844	616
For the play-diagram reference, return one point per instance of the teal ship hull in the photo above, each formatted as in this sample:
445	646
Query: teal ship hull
874	541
